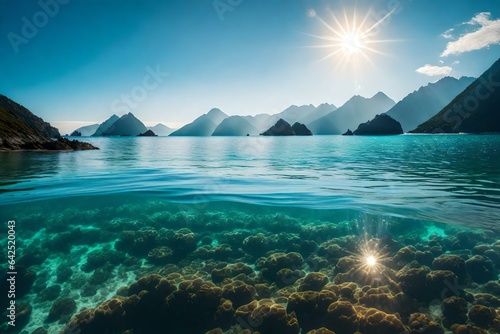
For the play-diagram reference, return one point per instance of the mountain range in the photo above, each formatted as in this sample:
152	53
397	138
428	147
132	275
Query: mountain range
428	109
475	110
127	125
355	111
419	106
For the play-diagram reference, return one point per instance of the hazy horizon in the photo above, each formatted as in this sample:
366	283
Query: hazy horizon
77	63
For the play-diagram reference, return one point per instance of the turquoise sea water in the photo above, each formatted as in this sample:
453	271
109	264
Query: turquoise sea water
293	194
454	179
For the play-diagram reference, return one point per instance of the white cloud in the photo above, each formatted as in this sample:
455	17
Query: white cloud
432	70
447	34
488	34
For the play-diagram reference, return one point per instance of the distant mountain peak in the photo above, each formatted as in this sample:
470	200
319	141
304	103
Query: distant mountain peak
428	100
455	117
380	95
214	110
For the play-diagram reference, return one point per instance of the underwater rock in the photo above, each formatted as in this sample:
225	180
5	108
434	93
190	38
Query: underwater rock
238	292
425	258
487	300
160	255
310	307
383	299
258	245
331	251
405	255
374	321
109	316
101	275
454	310
183	242
494	256
313	282
321	330
413	281
480	269
450	262
466	329
287	277
61	310
199	300
33	256
342	317
99	258
316	263
482	316
231	271
421	324
63	241
63	273
220	252
469	239
154	284
49	294
154	304
267	317
480	249
88	290
441	284
137	242
345	264
493	287
264	290
347	291
270	266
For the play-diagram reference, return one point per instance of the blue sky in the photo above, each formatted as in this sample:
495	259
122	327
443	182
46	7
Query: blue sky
171	61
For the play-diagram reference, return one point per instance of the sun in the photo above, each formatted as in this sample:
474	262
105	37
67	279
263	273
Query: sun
350	38
351	43
371	261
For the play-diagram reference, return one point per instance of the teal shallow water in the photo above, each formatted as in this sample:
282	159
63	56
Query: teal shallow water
453	179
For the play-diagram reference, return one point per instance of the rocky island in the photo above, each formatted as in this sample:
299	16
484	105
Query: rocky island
381	125
20	129
283	128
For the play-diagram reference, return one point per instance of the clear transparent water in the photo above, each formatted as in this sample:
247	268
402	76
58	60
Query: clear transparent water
405	190
442	178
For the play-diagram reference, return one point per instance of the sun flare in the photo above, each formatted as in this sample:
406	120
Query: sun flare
371	261
351	43
351	38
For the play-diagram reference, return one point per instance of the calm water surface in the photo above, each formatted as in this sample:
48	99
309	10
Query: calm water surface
439	178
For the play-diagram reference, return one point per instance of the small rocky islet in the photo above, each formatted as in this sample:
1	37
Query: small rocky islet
20	129
237	272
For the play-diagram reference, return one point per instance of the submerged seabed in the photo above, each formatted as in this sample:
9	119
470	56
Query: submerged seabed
107	264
